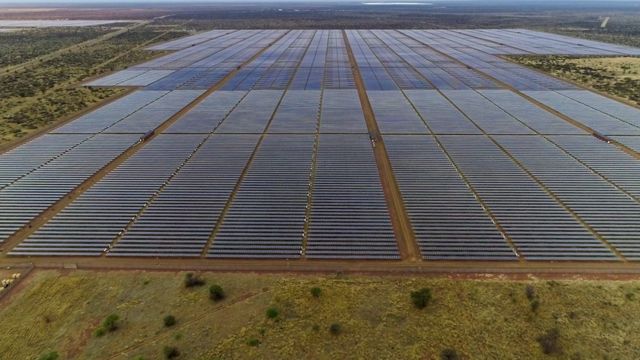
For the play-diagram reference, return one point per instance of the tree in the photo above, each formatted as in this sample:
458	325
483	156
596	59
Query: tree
169	320
449	354
216	293
170	352
421	298
316	291
110	323
335	329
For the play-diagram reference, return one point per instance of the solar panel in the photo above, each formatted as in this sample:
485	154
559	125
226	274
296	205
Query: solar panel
267	216
448	222
181	218
34	193
349	217
92	221
540	227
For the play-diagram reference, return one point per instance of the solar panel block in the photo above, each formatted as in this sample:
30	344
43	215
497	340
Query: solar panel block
24	159
208	114
298	112
530	114
594	119
267	216
341	112
485	114
28	197
394	113
441	116
104	117
540	228
609	211
349	216
92	221
252	113
181	218
447	220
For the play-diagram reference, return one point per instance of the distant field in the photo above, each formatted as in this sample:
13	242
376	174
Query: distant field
618	76
478	319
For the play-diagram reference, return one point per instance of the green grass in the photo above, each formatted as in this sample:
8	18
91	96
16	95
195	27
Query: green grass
478	319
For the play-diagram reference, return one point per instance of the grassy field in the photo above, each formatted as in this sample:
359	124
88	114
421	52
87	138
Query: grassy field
617	76
491	318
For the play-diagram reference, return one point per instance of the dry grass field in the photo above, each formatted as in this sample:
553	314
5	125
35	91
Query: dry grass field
490	318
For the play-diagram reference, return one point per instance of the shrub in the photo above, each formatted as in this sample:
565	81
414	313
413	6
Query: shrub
530	291
535	304
335	329
110	323
216	293
421	298
272	313
191	280
549	342
449	354
169	320
316	291
170	352
100	332
253	342
50	356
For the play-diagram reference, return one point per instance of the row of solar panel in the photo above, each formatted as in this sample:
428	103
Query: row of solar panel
175	207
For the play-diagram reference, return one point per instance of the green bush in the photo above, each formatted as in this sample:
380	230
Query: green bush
50	356
335	329
449	354
169	320
316	291
110	323
421	298
253	342
272	313
100	332
170	352
216	293
192	280
550	342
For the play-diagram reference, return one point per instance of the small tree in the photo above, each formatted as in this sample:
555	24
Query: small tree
191	280
530	291
449	354
169	320
316	291
421	298
335	329
170	352
253	342
110	323
272	313
550	342
216	293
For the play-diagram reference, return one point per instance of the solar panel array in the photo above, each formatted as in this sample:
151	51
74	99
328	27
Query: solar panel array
277	161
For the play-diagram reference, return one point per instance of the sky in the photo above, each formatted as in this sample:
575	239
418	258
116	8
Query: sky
112	2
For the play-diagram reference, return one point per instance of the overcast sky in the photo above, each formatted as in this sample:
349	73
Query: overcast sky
111	2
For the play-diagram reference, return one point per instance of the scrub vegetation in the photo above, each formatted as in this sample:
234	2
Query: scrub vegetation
48	89
356	317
